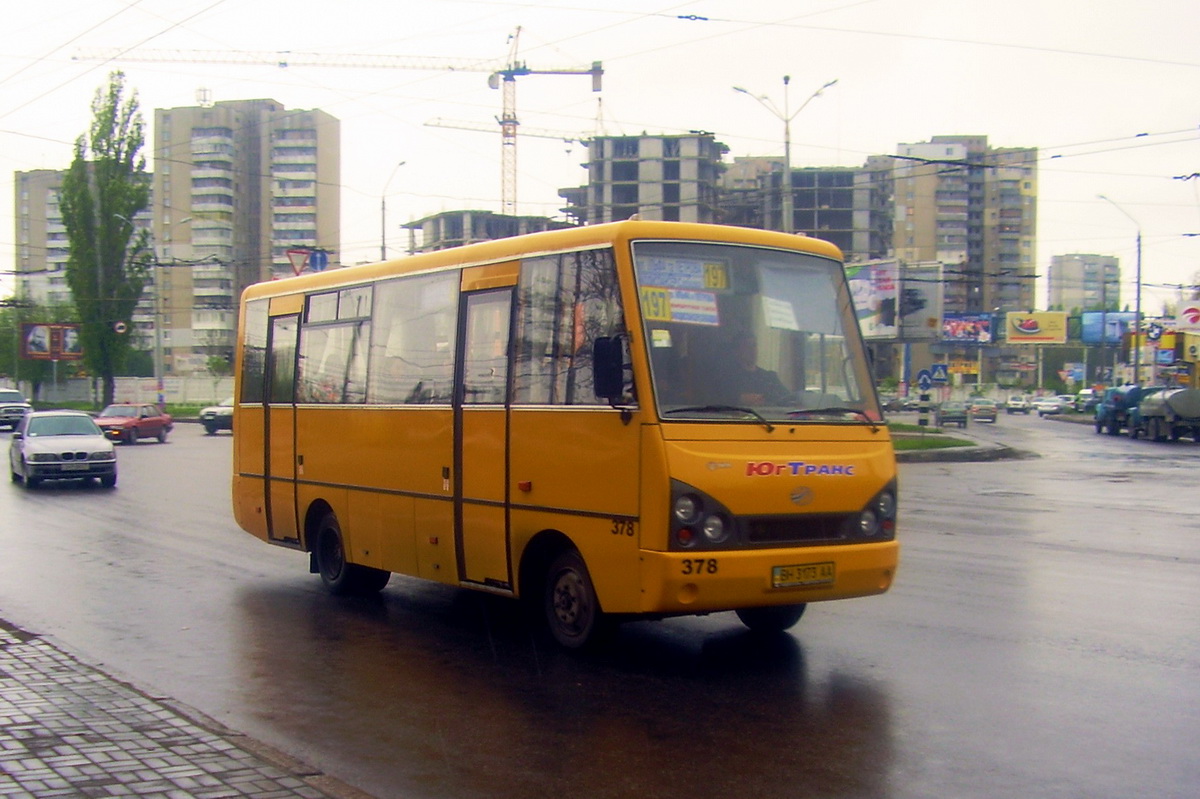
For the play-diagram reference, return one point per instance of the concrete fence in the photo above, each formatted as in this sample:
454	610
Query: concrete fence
175	390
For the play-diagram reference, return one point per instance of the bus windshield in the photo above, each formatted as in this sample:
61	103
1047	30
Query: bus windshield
742	332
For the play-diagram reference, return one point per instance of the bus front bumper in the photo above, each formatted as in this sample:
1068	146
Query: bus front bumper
702	582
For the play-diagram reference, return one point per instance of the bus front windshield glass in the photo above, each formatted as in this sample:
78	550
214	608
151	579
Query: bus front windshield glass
751	333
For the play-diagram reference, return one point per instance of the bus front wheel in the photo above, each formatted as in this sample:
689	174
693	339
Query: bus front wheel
571	609
771	619
340	577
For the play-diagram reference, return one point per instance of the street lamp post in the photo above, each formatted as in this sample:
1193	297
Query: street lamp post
1137	312
786	117
383	213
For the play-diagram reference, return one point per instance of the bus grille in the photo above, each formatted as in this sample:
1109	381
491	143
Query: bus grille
781	530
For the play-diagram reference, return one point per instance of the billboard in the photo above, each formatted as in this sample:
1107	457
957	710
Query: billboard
42	341
873	285
967	328
921	300
1188	317
1115	325
1041	327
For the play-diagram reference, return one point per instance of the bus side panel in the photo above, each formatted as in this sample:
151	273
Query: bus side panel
391	457
248	488
383	531
583	463
483	540
434	523
583	459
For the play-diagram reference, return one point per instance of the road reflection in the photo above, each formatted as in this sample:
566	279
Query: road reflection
431	692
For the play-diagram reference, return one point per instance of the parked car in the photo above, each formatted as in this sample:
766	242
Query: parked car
1018	403
1047	406
217	417
13	407
1086	400
951	412
60	445
129	422
984	410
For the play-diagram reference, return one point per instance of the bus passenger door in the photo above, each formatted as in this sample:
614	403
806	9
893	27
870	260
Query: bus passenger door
481	438
279	434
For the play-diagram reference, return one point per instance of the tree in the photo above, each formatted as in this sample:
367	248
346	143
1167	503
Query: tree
105	188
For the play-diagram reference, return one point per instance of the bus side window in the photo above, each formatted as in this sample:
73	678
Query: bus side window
565	304
412	344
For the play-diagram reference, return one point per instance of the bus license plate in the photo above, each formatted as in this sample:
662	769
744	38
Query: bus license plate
802	575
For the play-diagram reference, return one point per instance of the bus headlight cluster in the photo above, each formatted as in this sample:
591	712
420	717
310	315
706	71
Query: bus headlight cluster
698	520
878	518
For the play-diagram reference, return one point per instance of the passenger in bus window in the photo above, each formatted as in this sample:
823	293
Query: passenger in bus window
750	384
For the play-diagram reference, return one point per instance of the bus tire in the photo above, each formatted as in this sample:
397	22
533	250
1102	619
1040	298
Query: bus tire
571	609
342	578
772	618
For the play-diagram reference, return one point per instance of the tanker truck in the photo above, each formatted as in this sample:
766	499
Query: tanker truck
1167	414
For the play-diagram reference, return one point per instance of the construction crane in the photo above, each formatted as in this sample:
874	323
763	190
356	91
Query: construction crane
565	136
500	76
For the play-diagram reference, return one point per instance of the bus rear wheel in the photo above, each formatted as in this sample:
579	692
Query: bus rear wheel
342	578
572	611
771	619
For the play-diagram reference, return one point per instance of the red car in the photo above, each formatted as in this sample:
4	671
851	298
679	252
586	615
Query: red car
128	423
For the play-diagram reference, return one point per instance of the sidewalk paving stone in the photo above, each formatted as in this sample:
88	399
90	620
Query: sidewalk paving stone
68	729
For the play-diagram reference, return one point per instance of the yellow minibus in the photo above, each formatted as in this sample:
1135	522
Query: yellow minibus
628	420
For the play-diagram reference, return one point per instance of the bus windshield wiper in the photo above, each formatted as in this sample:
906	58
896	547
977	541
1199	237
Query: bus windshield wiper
724	409
831	411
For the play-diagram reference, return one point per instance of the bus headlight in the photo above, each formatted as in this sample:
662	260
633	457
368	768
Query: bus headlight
878	518
868	523
715	530
686	509
697	521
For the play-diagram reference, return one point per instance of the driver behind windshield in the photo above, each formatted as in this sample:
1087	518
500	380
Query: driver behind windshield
748	383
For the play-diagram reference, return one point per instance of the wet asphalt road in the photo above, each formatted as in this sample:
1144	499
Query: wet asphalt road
1041	641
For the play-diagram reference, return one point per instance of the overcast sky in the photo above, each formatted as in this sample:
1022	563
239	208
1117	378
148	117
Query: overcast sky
1108	91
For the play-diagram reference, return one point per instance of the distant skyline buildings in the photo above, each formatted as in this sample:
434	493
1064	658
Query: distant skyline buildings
238	184
1084	282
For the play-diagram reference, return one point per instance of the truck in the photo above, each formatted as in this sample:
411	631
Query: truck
1166	414
1112	412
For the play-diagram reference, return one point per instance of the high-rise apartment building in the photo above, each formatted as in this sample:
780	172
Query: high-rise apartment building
43	247
1080	282
236	186
670	177
974	208
830	203
41	237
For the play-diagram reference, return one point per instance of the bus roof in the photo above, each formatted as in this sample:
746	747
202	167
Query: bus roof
543	242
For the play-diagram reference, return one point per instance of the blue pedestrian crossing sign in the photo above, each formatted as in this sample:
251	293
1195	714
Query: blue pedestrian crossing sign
940	373
924	379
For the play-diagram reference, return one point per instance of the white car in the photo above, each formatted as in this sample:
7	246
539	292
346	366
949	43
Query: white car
61	445
1018	403
217	417
1046	406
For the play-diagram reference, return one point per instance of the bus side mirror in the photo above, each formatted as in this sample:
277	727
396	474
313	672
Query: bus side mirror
608	368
